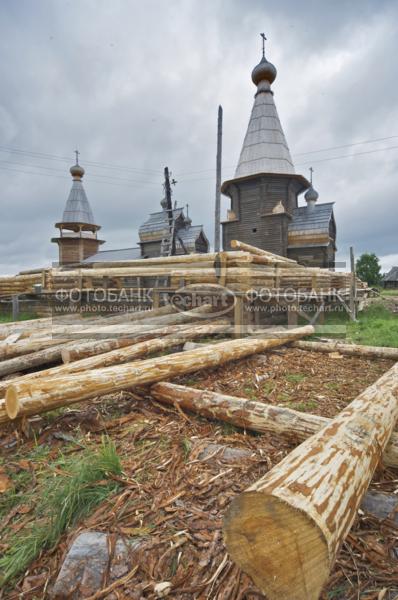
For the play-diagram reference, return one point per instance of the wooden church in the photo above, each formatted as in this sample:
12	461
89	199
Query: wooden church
265	190
165	232
264	196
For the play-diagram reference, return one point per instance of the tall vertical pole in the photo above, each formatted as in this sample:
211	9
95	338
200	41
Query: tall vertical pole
167	189
353	287
218	182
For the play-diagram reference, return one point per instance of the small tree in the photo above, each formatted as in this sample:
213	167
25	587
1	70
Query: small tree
368	268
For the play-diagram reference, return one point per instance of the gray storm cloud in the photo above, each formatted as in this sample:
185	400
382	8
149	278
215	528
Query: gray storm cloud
137	85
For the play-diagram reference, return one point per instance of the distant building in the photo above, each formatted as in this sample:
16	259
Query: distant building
78	241
265	189
390	279
77	231
188	238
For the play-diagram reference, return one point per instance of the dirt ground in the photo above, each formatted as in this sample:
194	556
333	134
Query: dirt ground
175	502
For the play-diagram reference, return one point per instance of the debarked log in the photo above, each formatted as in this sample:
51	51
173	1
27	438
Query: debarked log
104	347
292	424
145	330
349	349
26	346
285	530
38	395
132	352
32	360
377	504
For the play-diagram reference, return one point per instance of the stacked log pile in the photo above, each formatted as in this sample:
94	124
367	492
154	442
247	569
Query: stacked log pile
245	266
19	284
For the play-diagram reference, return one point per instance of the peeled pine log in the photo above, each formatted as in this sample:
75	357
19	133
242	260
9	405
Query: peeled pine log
120	356
26	346
93	348
349	349
31	360
4	418
237	245
378	504
165	260
132	351
7	328
257	416
146	330
172	316
286	529
42	394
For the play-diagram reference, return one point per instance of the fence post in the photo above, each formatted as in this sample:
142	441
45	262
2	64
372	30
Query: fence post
15	307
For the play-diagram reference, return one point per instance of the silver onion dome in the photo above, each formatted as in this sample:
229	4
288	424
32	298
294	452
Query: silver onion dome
77	171
264	71
311	195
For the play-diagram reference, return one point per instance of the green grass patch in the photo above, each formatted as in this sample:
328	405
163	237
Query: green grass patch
307	406
376	326
295	377
23	316
332	385
250	392
268	387
388	292
60	501
186	447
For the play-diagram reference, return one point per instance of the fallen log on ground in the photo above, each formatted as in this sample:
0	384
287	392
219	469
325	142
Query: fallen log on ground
4	418
378	504
46	356
132	351
102	347
256	416
286	529
26	346
41	394
349	349
127	319
84	349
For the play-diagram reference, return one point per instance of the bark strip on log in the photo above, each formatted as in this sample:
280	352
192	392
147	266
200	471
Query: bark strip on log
349	349
286	529
260	417
42	394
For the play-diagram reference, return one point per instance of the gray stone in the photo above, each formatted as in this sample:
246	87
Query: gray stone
86	565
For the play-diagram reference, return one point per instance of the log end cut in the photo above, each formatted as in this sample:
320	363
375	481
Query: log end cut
11	402
281	549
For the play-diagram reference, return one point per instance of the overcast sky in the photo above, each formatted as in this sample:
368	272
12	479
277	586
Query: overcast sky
136	86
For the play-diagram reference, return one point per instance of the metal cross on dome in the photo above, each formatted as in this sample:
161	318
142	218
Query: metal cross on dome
311	172
263	40
77	156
